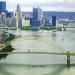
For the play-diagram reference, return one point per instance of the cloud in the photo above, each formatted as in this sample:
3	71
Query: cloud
57	5
69	1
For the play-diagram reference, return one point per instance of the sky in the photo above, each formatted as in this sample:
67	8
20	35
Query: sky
46	5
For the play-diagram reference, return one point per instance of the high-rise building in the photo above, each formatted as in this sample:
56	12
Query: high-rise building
19	14
9	14
37	14
2	6
0	19
47	22
53	21
37	17
31	22
20	22
13	22
15	13
8	22
3	16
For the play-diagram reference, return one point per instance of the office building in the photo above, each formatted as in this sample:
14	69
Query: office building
19	14
53	22
2	6
15	13
8	22
9	14
31	22
3	16
20	22
0	19
13	22
37	17
25	22
47	23
37	14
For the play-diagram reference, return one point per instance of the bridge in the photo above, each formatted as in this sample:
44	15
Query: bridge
48	42
70	26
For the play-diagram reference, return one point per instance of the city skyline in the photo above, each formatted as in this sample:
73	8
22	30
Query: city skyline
46	5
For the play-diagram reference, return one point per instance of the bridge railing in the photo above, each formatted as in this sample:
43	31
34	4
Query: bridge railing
68	54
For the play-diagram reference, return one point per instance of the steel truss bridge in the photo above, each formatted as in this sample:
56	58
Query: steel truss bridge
48	42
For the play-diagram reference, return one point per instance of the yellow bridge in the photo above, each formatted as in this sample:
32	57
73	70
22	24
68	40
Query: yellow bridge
48	42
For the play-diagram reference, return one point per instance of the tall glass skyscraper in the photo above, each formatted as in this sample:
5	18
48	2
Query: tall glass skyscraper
53	21
2	6
37	17
37	14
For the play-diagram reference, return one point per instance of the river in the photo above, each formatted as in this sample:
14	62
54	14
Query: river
39	41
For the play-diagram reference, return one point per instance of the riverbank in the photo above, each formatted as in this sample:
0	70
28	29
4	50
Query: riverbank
6	47
5	42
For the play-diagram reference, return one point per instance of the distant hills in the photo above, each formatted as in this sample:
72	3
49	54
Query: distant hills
52	13
48	13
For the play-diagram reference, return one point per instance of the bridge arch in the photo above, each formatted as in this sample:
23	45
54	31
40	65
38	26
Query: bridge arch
48	42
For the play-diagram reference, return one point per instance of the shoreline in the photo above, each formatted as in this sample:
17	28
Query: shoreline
8	48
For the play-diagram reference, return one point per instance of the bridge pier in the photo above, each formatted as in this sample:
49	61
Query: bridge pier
68	59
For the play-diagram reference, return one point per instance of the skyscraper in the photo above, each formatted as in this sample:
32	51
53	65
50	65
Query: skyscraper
47	22
15	13
2	6
3	16
19	15
54	22
37	17
13	22
8	22
37	14
20	22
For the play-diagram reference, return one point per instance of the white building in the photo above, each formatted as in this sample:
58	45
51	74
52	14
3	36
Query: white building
8	22
13	22
19	15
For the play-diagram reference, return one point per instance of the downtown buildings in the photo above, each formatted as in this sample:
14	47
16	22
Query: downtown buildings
39	21
7	18
16	19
